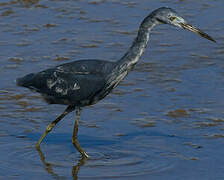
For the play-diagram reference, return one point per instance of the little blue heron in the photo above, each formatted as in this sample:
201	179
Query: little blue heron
85	82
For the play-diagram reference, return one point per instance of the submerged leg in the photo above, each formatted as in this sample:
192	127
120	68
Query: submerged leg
75	132
52	124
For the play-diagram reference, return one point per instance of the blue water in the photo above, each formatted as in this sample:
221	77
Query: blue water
164	121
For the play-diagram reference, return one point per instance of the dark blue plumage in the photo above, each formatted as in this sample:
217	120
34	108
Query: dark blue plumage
77	83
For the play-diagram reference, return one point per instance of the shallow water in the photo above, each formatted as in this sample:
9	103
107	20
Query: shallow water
164	121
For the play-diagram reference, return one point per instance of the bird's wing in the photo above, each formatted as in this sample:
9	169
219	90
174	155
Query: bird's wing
86	66
74	81
67	86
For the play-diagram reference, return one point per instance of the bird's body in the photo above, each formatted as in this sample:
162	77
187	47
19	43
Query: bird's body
85	82
79	83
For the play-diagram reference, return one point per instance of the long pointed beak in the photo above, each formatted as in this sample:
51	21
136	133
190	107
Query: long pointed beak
197	31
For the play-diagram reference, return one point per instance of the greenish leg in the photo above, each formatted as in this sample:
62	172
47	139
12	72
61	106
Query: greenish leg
75	132
52	124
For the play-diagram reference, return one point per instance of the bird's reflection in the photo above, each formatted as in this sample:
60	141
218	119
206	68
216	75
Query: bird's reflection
75	169
50	170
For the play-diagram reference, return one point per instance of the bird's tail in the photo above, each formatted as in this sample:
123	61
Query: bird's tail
25	81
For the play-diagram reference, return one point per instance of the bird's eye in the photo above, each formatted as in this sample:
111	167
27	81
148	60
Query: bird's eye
172	18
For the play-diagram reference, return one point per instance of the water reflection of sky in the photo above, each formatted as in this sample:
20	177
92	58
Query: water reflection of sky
165	120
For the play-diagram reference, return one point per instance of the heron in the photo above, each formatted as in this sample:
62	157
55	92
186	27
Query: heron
85	82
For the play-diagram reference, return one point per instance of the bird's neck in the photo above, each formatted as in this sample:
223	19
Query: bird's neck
134	53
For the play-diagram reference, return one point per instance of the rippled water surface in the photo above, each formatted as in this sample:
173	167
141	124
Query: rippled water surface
164	121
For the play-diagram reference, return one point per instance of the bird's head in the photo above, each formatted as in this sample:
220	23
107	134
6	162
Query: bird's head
166	15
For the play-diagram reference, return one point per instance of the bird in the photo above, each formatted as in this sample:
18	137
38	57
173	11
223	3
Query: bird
84	82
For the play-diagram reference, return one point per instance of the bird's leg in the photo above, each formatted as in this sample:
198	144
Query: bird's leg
52	124
75	132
